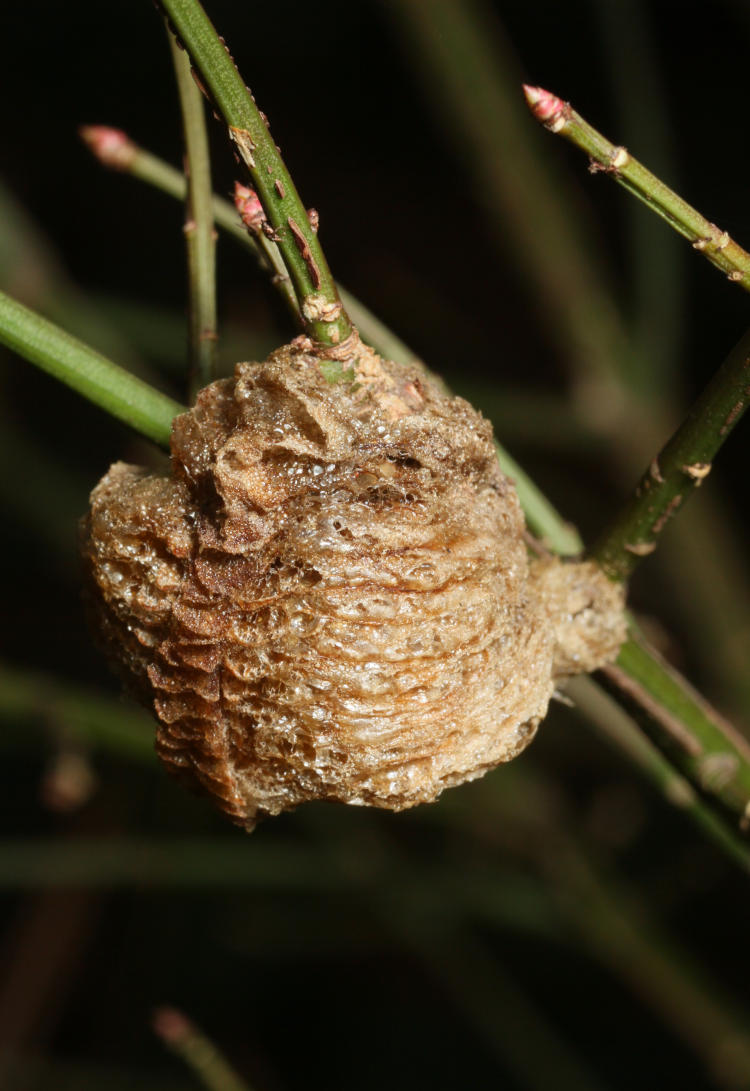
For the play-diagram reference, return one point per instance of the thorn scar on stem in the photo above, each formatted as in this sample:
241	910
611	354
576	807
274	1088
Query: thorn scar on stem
245	145
667	514
698	471
316	308
717	770
304	248
655	471
640	549
731	418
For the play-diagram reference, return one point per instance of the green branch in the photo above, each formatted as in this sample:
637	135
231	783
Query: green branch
686	459
114	149
88	372
695	739
715	244
611	722
678	469
199	228
324	317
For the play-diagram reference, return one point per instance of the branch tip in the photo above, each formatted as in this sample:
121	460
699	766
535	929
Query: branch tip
171	1025
112	147
545	107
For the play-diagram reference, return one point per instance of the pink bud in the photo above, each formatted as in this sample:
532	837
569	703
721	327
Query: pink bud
249	207
545	106
112	147
171	1025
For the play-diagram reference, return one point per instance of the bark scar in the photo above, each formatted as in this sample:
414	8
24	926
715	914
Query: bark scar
245	145
304	248
667	514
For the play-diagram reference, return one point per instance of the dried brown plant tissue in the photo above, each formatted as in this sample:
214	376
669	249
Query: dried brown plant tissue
330	595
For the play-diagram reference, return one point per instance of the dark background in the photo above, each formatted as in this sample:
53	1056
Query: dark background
338	948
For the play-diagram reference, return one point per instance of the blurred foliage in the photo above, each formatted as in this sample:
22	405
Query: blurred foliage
554	925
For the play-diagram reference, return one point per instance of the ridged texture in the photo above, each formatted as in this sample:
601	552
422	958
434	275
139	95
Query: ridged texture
330	595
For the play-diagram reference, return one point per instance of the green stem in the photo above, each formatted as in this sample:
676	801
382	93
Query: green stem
114	149
199	228
88	372
323	314
715	244
644	375
600	710
678	469
695	739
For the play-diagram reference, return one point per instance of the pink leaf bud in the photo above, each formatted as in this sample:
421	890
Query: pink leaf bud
112	147
546	107
249	207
